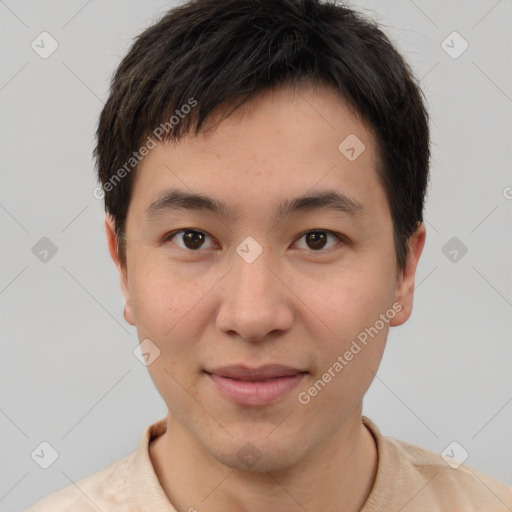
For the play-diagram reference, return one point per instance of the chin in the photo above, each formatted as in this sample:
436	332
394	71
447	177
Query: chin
258	455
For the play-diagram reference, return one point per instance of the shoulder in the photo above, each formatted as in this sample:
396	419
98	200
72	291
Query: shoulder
104	490
449	484
419	479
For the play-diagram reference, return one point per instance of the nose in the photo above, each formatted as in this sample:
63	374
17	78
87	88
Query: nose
256	301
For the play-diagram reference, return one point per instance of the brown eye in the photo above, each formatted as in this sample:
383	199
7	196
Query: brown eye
190	238
193	239
317	240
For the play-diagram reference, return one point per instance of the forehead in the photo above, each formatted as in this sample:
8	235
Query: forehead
277	146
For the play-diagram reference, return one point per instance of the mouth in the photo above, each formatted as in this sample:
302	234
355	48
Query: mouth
255	386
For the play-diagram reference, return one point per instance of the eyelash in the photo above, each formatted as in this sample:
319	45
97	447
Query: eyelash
340	238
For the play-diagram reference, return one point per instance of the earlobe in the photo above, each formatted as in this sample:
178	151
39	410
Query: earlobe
128	313
404	294
122	271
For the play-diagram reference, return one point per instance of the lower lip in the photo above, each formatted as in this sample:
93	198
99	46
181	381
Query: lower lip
245	392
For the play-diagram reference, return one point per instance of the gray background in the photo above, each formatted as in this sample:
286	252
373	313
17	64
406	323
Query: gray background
67	369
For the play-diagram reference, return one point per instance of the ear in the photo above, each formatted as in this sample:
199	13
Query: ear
122	269
404	293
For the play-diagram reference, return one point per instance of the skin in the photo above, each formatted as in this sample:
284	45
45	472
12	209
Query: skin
293	305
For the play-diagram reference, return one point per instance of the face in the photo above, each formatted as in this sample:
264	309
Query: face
314	288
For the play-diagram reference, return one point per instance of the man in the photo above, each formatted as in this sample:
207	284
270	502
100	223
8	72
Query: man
264	166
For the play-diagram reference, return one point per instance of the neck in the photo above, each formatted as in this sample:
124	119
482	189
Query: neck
338	475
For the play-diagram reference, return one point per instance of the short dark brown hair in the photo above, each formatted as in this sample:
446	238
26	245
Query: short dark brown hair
208	53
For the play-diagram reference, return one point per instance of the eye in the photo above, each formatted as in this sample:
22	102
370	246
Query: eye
191	238
316	239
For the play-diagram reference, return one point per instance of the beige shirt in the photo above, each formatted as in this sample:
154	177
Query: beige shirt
409	479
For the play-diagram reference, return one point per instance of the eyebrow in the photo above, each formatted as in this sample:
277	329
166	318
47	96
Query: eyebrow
327	200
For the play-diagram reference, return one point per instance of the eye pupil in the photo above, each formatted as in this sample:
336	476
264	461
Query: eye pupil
193	239
318	239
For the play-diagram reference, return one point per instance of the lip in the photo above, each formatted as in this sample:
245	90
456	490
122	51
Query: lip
255	386
242	372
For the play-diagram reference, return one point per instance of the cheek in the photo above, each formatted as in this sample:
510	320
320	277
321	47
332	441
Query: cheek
351	307
159	290
168	312
351	302
166	305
